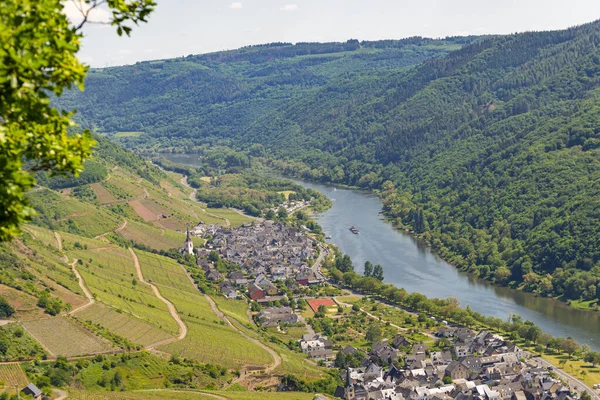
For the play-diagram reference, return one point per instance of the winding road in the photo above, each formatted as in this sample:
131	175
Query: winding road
83	287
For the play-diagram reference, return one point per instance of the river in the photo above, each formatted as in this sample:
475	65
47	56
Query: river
410	264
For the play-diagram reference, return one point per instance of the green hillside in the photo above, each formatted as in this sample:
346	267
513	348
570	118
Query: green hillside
489	151
223	94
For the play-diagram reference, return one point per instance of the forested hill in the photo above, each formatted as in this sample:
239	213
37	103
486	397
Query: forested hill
490	152
221	94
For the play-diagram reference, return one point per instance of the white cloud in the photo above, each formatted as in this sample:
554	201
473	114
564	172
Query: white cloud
236	5
289	7
124	51
74	10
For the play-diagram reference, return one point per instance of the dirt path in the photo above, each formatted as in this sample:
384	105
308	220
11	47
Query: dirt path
86	291
170	306
58	240
276	358
120	228
61	394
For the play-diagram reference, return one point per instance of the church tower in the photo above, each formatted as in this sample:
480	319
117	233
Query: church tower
188	248
349	387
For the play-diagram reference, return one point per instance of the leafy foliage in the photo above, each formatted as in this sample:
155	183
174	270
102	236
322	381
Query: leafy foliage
38	59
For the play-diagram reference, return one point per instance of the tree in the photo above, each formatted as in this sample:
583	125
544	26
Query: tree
6	309
585	395
533	333
373	333
270	214
368	269
345	263
282	213
38	59
569	346
378	272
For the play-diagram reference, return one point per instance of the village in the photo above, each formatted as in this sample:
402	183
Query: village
266	253
464	365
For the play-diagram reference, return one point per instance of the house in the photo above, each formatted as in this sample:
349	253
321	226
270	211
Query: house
400	341
213	275
302	279
457	370
256	293
314	346
32	390
273	316
238	278
228	290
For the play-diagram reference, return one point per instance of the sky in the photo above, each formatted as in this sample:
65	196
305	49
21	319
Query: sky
182	27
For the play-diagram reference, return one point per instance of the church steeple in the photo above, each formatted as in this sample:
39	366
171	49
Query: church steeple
189	245
349	387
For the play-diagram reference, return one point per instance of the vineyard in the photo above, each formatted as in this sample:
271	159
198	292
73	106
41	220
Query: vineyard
123	324
189	395
53	332
12	375
110	275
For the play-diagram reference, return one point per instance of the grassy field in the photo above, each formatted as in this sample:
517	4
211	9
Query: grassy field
577	368
110	275
53	332
123	324
189	395
129	134
235	218
12	375
286	193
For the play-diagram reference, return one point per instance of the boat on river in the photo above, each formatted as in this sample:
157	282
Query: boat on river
354	230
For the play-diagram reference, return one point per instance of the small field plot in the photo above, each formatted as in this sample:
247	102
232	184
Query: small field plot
24	304
103	195
164	272
209	340
151	236
13	375
111	277
123	324
46	236
235	218
237	309
63	336
129	134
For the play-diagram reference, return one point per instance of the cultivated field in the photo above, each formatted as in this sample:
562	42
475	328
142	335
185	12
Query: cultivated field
103	195
63	336
46	236
153	237
233	308
209	340
24	304
123	324
235	218
183	395
163	271
110	275
12	375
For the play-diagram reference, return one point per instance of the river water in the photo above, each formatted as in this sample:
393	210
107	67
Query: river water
410	264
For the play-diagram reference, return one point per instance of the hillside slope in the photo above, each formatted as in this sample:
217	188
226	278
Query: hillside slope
491	152
218	95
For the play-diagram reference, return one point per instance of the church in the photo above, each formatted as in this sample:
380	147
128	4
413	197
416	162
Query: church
188	247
